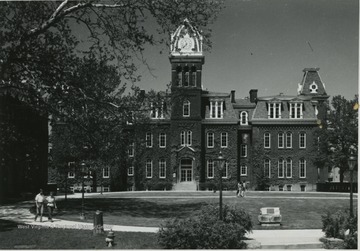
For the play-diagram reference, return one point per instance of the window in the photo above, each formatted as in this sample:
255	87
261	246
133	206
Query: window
243	170
130	171
162	168
267	166
281	188
193	76
71	173
281	140
210	139
288	140
131	150
149	139
106	172
157	111
303	188
288	168
225	170
210	169
187	78
281	164
244	118
274	111
288	188
216	109
296	110
149	168
302	168
179	76
106	189
186	108
243	150
302	140
162	140
224	139
186	138
267	140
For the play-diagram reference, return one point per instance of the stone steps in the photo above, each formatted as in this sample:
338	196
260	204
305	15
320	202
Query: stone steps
184	186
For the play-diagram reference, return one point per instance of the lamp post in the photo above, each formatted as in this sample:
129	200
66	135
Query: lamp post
221	161
351	162
83	166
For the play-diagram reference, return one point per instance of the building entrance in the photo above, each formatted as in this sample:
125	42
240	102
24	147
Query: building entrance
186	170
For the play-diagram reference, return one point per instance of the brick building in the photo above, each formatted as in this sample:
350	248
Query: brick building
267	136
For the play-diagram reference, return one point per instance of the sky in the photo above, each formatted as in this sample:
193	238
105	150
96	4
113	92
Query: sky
266	44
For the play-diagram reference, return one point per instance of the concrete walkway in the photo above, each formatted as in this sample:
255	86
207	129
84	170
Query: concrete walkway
269	239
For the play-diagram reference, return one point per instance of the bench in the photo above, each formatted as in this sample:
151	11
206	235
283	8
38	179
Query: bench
269	216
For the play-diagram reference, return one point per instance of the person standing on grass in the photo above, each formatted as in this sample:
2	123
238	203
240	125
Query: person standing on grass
51	204
39	201
243	188
238	191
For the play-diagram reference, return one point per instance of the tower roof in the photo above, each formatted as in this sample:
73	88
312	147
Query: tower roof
311	83
186	40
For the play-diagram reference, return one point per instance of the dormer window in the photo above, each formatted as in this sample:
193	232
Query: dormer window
216	109
313	88
157	112
244	118
296	110
274	110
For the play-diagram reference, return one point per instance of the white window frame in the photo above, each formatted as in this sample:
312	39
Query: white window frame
288	164
186	138
222	135
131	171
287	186
131	150
243	150
302	165
186	82
274	110
244	118
71	166
296	110
281	166
157	112
288	139
193	78
226	170
216	109
149	140
162	167
267	162
189	138
210	165
186	107
183	138
106	189
281	140
302	137
243	167
162	138
267	135
149	164
106	170
210	140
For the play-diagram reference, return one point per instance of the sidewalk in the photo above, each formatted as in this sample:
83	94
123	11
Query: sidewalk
269	239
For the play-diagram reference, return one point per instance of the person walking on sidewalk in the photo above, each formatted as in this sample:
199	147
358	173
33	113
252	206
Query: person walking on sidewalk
238	191
51	204
39	201
243	188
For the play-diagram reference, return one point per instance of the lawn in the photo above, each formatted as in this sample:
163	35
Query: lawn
14	236
299	210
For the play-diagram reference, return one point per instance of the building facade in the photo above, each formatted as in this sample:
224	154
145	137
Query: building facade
267	140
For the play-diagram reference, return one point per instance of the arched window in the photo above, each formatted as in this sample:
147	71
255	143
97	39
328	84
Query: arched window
288	168
267	168
193	76
186	81
210	169
281	164
302	168
281	140
189	138
182	138
244	118
186	138
288	140
179	76
186	108
302	140
267	137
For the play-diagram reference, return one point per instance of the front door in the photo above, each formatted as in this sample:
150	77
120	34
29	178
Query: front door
186	170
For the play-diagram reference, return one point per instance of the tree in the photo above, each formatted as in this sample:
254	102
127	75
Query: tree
338	137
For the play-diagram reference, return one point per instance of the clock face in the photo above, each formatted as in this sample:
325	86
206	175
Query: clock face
185	44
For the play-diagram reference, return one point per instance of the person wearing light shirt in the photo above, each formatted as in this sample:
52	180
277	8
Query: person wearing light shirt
39	201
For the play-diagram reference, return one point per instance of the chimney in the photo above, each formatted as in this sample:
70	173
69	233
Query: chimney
232	96
253	95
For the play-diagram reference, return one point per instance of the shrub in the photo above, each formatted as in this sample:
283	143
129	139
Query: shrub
341	225
205	230
158	185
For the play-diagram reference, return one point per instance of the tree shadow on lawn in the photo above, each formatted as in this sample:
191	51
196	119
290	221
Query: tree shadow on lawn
6	225
127	207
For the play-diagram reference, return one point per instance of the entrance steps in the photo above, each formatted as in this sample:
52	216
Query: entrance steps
184	186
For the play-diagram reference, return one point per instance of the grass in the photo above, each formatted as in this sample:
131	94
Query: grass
14	236
299	210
